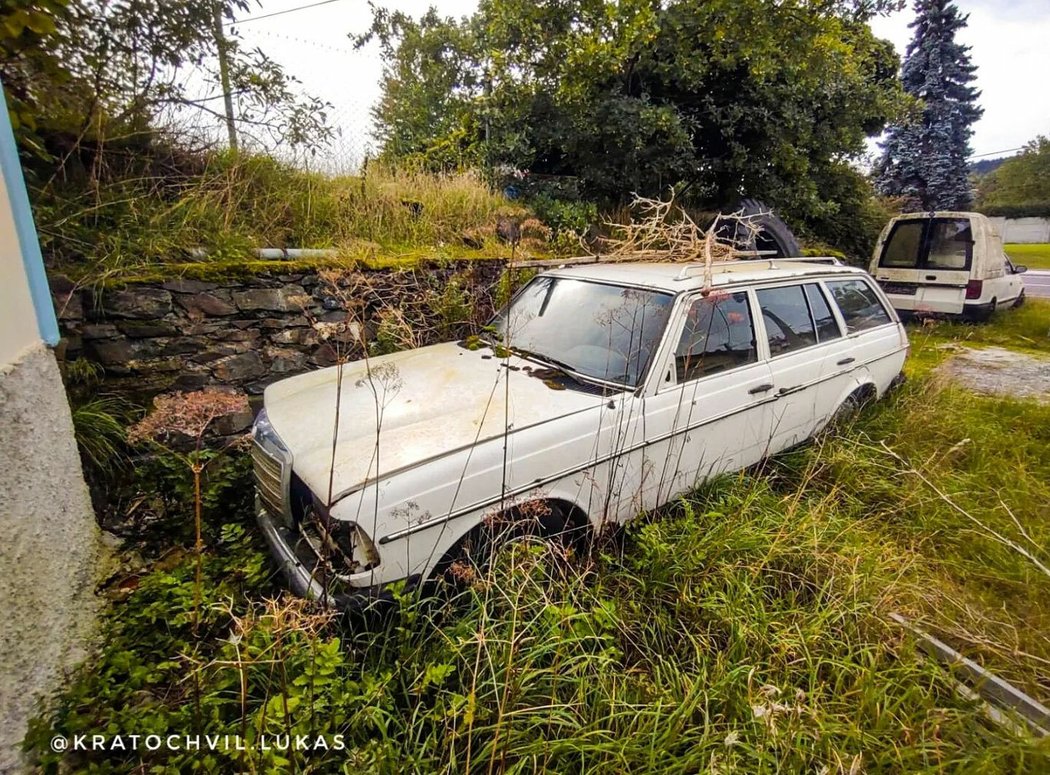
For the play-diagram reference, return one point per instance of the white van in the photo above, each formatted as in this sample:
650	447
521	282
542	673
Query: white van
946	263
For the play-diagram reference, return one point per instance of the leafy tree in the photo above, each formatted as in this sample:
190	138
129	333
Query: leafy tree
924	159
1020	180
717	98
88	71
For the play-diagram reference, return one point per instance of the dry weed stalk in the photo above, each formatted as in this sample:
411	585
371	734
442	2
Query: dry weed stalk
666	232
189	414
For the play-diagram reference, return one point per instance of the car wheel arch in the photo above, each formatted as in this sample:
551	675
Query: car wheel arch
569	517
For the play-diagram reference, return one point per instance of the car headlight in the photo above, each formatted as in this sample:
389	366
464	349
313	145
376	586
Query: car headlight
261	426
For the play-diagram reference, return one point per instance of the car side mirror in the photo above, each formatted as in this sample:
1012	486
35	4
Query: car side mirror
1020	268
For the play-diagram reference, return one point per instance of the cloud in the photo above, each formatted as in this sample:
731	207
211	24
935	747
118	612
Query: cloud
1008	43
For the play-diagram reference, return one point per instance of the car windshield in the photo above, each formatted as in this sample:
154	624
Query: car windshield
606	332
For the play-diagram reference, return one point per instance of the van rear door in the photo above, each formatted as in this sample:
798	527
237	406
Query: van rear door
925	263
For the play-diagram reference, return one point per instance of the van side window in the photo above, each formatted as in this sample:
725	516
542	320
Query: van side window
718	336
786	314
860	306
951	244
827	326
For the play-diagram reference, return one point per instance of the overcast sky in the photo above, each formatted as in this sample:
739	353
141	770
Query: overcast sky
1009	39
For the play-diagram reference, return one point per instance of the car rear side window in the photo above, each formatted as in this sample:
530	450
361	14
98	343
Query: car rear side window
718	335
827	326
786	315
859	304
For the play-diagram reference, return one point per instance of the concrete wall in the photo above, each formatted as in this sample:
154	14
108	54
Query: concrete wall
50	539
1023	230
50	545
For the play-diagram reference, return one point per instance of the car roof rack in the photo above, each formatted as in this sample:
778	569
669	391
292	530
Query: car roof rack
689	269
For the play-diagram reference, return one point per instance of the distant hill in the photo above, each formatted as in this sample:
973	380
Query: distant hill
984	166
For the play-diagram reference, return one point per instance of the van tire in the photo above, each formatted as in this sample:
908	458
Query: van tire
981	314
1019	301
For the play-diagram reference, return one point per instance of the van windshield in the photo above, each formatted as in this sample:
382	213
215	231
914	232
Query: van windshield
929	243
607	332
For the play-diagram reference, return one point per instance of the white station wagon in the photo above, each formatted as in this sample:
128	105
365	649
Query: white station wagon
600	391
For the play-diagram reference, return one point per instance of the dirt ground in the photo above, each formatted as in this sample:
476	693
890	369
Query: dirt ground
998	371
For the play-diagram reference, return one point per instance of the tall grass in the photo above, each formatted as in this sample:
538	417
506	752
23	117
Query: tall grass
745	628
234	203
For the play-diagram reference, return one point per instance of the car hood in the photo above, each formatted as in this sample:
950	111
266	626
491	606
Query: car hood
428	402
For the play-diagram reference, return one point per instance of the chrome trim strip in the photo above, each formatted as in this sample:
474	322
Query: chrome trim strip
269	451
398	534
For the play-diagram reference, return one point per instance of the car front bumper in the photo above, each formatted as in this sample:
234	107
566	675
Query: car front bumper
302	577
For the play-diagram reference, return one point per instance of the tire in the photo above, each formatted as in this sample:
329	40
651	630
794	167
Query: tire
479	547
1019	301
773	234
851	406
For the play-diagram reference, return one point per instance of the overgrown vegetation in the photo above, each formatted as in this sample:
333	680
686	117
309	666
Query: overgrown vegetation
714	99
1020	186
135	222
743	629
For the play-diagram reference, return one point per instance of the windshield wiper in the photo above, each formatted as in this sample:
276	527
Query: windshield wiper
546	359
567	369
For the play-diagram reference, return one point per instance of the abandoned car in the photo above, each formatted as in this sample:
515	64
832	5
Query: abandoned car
600	391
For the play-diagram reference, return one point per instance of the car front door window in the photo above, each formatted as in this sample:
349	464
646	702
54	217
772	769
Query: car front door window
718	335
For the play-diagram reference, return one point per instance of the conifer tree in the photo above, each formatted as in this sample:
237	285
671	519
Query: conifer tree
925	159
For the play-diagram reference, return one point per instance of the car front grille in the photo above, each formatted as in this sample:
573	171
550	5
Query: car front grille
271	478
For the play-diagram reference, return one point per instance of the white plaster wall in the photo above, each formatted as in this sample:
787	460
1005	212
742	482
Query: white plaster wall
50	547
18	327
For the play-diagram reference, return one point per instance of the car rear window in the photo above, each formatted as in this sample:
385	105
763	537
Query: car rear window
718	335
859	304
929	243
950	244
902	249
786	315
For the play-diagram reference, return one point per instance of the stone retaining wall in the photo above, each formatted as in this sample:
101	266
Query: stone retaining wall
247	333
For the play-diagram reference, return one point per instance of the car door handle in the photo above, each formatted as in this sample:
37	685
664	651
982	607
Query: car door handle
845	362
931	277
761	389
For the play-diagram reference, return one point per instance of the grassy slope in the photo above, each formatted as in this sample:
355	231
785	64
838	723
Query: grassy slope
1032	256
149	227
743	629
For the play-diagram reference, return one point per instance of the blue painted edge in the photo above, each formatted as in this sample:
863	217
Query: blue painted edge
33	261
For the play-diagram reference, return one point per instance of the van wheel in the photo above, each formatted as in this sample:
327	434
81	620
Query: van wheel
1020	299
981	314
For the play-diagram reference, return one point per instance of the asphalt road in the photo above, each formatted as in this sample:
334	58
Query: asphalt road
1037	283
